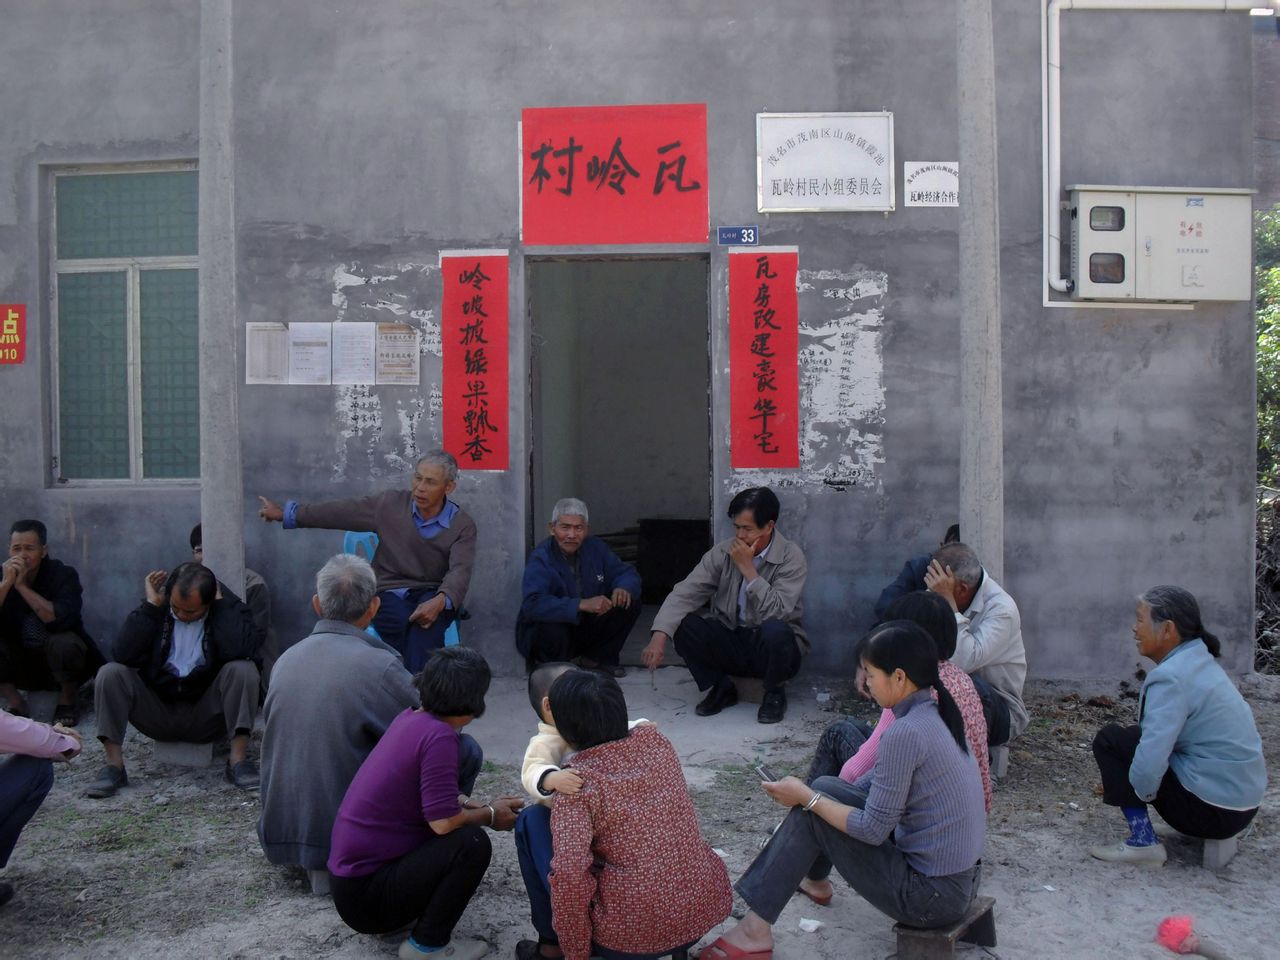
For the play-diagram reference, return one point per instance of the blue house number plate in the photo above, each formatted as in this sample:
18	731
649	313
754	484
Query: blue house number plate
737	236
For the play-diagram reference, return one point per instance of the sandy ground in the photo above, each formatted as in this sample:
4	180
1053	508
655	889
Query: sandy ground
171	866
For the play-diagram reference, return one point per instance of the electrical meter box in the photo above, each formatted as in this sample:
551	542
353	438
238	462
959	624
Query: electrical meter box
1161	243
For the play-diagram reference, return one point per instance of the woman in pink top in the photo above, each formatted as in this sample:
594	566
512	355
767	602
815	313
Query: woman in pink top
848	748
26	777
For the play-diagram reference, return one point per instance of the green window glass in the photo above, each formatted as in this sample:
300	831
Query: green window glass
127	325
127	215
170	374
93	407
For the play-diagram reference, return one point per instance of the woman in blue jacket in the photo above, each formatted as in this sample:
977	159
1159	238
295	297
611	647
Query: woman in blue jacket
1195	754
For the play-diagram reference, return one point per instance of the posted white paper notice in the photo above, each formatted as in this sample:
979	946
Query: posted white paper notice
310	352
266	353
353	352
397	355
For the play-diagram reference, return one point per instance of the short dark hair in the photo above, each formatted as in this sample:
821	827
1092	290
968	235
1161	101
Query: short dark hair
761	501
31	526
540	681
952	535
453	682
933	613
589	708
197	536
188	577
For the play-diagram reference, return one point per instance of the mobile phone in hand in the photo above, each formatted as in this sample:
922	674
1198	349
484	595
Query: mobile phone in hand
764	773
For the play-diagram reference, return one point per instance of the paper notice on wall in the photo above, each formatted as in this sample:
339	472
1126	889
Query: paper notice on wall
310	353
266	353
354	346
397	355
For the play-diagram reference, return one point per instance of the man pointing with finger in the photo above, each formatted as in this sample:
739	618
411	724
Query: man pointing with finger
426	547
752	586
579	601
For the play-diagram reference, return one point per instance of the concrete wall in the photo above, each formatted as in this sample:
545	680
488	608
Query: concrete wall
370	136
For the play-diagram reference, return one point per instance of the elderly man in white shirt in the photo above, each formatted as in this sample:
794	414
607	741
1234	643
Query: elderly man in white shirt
988	642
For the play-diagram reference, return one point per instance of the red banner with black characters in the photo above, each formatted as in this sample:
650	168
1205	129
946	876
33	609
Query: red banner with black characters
13	332
622	174
474	340
764	344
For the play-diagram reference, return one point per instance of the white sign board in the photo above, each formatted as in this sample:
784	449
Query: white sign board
817	162
931	183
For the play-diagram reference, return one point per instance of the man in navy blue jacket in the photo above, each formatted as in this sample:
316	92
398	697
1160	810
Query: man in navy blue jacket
579	600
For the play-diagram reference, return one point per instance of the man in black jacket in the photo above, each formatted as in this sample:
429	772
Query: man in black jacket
43	643
183	670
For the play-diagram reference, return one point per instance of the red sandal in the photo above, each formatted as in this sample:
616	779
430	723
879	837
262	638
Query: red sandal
722	949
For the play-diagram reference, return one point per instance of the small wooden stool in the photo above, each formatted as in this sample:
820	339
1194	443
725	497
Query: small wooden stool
978	925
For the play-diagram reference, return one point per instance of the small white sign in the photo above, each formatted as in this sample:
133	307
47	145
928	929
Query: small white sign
931	183
824	162
310	353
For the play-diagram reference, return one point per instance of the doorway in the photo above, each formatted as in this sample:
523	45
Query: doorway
620	402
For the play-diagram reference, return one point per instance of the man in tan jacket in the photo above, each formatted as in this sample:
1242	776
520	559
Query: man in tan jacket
738	613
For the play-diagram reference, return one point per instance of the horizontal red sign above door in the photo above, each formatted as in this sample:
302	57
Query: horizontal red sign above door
614	175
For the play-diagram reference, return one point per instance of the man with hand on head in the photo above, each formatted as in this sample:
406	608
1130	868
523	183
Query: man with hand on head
183	670
426	548
738	613
988	637
580	601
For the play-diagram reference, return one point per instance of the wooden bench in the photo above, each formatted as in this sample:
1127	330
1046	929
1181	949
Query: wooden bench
977	926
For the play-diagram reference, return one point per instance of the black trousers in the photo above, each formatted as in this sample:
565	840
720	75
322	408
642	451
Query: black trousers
714	651
995	710
597	637
432	885
1114	747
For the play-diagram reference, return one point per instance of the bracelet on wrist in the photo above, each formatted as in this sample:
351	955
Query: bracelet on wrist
813	801
493	814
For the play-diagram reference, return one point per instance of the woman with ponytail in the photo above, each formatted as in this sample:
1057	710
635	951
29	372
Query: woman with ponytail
907	837
1195	754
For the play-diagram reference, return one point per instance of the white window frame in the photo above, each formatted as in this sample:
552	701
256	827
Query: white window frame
132	267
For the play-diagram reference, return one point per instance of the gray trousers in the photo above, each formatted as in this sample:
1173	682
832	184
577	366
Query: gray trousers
880	874
230	705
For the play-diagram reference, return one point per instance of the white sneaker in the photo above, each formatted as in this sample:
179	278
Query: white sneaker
1122	852
456	949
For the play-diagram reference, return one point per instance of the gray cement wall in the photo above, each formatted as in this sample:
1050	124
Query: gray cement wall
370	136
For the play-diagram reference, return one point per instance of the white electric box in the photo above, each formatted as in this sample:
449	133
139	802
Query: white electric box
1161	243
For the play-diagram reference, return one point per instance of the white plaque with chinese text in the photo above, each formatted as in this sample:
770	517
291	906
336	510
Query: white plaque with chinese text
816	162
933	183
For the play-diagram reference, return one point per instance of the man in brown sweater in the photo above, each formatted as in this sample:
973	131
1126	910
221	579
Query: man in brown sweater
426	547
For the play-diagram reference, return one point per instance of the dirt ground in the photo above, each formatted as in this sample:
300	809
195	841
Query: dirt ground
171	866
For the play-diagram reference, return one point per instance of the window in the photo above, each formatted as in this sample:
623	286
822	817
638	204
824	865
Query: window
126	319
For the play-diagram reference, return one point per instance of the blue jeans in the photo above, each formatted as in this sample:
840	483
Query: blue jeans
24	783
411	641
533	848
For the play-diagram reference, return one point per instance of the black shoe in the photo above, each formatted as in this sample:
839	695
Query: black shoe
723	694
244	774
6	892
110	779
773	707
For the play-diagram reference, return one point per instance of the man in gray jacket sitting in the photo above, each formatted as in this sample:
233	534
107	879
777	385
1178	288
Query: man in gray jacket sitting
332	696
738	612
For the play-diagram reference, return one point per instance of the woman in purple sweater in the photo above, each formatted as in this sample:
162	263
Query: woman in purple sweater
912	848
409	847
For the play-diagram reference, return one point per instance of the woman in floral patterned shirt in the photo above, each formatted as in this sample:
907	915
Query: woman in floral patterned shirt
631	874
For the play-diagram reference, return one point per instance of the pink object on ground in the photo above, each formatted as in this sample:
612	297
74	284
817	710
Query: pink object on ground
1178	935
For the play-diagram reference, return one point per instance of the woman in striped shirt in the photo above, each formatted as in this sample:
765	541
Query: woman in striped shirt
912	849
